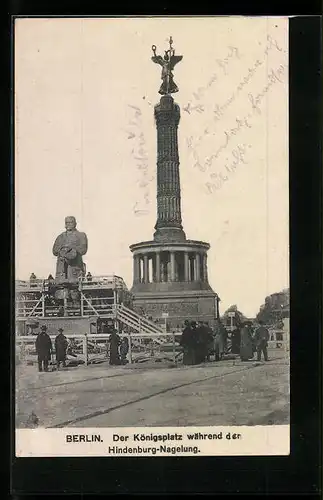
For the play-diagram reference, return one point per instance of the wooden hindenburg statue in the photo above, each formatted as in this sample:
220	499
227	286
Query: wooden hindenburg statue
167	62
69	247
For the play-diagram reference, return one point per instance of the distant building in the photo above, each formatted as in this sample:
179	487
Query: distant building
275	308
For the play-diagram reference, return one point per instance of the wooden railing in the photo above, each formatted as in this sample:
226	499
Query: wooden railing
36	283
112	281
137	322
83	344
109	281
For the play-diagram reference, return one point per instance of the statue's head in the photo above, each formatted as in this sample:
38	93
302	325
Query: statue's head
70	223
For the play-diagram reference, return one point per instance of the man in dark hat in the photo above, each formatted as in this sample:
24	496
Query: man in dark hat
202	342
114	341
124	349
50	284
43	348
187	344
236	340
246	342
195	347
33	279
261	338
220	337
60	348
209	340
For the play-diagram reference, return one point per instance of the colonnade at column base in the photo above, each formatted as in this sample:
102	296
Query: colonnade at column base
168	262
171	277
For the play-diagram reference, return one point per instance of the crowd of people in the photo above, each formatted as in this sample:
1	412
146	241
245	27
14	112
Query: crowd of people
199	341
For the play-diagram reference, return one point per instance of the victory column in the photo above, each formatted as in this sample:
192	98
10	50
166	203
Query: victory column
170	272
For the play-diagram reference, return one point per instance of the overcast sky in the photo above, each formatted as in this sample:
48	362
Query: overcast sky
85	91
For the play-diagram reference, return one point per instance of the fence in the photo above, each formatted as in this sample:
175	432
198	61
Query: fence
143	347
279	339
92	349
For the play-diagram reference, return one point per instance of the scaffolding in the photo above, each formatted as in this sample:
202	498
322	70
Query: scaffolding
95	296
102	300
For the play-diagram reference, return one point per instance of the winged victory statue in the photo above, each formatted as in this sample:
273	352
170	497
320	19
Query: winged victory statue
167	63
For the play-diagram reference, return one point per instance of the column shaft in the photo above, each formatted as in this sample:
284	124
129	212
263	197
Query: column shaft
136	269
198	266
146	269
204	257
196	261
157	270
172	266
186	267
167	115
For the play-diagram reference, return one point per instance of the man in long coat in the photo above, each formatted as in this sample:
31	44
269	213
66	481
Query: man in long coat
261	338
61	344
220	338
43	348
124	349
202	342
114	341
246	345
188	344
210	340
236	340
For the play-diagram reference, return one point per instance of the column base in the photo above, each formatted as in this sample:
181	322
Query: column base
169	234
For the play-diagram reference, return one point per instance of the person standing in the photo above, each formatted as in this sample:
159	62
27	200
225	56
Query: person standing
235	341
224	333
195	344
209	339
114	341
220	336
202	342
187	344
261	338
124	349
50	284
43	349
33	279
61	344
246	350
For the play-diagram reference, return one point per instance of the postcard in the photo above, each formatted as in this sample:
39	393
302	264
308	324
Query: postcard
152	236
